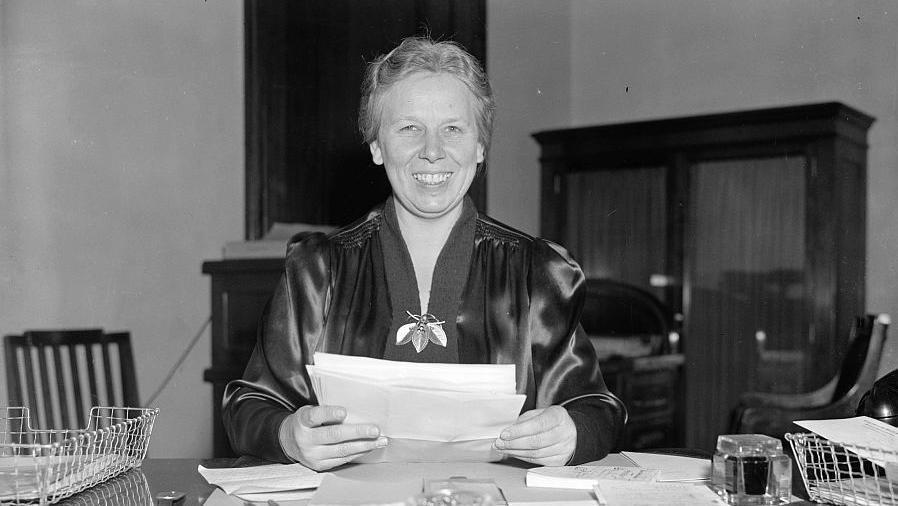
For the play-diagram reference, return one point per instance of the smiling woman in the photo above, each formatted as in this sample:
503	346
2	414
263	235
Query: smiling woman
425	278
428	144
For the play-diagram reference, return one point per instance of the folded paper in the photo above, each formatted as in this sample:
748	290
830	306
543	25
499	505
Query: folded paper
430	412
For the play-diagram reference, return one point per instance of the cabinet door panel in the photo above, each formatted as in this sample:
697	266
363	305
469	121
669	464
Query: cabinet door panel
745	273
617	225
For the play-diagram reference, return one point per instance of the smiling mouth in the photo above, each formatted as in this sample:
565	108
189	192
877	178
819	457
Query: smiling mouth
428	178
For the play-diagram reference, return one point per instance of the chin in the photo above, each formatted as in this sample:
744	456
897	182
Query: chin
434	210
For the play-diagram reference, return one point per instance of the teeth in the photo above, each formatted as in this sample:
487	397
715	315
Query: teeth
428	178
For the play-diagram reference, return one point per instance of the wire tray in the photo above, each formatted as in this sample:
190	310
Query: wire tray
46	466
846	474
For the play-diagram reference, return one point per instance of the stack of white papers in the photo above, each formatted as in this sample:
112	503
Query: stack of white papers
673	467
275	482
429	412
584	477
643	479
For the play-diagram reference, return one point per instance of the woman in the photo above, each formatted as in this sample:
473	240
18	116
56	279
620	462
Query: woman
425	259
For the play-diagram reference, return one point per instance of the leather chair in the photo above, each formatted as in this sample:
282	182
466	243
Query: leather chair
772	414
60	374
614	308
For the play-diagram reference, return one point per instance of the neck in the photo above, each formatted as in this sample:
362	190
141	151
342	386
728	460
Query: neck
425	238
430	231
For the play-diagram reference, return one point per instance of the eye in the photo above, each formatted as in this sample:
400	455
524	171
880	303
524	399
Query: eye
409	128
454	129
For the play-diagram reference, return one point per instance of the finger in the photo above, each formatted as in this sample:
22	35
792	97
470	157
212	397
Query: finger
557	455
540	452
349	449
316	416
538	440
534	424
342	432
331	456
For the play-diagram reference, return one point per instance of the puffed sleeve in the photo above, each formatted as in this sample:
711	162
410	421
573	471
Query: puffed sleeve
565	364
275	382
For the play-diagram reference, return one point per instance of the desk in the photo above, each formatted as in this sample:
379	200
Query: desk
138	487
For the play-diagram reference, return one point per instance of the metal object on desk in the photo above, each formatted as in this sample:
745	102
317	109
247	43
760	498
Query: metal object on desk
170	498
751	469
48	465
842	473
459	491
451	498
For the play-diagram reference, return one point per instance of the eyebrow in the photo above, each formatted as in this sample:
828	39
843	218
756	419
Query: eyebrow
453	119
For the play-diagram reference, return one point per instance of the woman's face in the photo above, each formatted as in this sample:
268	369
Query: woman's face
428	143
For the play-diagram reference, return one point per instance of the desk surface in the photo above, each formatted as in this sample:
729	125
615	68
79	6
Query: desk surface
140	486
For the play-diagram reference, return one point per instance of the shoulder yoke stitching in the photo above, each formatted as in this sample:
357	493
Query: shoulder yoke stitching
492	231
355	236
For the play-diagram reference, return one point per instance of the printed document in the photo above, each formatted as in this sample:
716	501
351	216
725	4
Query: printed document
673	467
640	493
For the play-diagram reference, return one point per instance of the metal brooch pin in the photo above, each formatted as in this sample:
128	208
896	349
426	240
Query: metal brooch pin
423	329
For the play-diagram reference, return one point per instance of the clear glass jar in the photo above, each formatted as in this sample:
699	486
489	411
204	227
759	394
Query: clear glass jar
751	469
450	497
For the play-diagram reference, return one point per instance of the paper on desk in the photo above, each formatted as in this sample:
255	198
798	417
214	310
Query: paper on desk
860	431
640	493
461	406
584	477
673	467
336	491
262	479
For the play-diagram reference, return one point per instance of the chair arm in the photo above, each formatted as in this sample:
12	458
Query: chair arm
775	421
814	398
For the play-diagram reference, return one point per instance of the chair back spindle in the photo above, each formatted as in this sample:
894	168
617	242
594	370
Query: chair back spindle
61	374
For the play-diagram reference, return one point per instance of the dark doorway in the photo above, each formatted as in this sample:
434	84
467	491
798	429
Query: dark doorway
305	161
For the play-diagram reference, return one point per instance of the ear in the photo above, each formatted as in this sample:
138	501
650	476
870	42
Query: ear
376	155
480	152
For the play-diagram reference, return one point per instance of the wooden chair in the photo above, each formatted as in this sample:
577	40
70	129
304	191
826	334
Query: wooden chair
772	414
60	374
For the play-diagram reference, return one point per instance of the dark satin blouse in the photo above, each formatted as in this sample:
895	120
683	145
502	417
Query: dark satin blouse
520	304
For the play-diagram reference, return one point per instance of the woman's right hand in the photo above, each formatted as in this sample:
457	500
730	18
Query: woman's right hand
316	437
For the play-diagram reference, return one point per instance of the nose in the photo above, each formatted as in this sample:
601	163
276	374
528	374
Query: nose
432	150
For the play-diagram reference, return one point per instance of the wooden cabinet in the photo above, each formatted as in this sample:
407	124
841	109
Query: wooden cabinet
749	225
240	290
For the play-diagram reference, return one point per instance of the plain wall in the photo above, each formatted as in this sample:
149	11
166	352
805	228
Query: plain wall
122	170
528	60
643	59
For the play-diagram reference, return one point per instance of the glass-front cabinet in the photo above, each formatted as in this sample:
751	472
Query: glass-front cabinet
750	225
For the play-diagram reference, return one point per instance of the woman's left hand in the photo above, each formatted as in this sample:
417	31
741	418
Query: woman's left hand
545	436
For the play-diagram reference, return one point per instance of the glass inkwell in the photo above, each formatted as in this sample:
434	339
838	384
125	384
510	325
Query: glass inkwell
751	469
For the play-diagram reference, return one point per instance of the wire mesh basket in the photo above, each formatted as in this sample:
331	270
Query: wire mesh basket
844	473
46	466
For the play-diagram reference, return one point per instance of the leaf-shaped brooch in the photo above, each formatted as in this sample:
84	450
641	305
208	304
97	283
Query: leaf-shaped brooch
423	329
